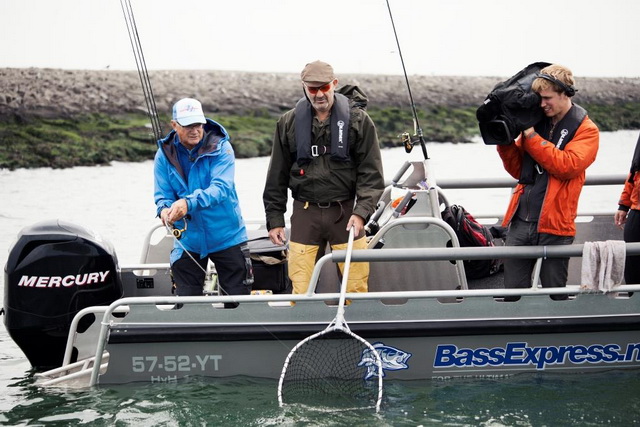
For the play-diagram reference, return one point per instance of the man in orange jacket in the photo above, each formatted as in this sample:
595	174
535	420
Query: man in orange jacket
549	160
628	216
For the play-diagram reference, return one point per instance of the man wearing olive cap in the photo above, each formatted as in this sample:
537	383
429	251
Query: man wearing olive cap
326	151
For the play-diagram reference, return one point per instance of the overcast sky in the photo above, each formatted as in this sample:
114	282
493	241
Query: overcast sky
439	37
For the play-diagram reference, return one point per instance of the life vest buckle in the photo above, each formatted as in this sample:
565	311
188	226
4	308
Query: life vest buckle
315	150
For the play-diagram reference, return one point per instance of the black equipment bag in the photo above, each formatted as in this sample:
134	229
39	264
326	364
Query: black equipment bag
471	233
269	266
511	107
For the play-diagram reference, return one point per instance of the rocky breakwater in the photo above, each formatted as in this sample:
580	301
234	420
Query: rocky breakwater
52	93
62	118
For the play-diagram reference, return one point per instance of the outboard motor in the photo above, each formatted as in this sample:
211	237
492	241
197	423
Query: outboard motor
511	107
54	270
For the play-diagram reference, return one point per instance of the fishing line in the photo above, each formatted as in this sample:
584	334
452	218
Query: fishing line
417	130
141	65
177	239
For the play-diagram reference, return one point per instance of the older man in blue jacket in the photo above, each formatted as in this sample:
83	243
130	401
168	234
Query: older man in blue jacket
195	193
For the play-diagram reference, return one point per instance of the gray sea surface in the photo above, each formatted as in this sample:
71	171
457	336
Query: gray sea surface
116	202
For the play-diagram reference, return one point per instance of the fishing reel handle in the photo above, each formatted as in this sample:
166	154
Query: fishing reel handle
405	138
177	232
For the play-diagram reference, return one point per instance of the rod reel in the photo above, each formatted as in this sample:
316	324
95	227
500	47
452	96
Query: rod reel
178	232
409	141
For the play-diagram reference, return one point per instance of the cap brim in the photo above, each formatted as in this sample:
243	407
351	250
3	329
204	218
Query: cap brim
316	82
186	121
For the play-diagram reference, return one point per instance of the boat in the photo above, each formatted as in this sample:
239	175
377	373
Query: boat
75	311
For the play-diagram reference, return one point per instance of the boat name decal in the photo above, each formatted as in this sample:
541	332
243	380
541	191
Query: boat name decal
63	281
392	358
520	354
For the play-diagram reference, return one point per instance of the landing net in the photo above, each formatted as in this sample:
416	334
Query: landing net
334	367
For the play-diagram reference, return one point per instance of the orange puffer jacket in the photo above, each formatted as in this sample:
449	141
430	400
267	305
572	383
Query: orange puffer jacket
630	197
566	169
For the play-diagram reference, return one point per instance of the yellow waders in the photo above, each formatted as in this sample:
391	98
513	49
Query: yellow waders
302	259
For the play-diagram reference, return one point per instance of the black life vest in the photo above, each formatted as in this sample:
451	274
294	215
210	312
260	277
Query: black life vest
563	133
339	129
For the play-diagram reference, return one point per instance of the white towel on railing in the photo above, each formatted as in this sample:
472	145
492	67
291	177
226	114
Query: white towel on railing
602	265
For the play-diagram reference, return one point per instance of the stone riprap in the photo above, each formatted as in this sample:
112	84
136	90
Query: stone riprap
45	92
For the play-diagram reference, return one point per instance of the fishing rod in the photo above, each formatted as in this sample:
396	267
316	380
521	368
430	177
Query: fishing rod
141	65
417	130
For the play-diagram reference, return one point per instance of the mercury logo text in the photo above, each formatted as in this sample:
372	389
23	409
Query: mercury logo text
520	354
63	281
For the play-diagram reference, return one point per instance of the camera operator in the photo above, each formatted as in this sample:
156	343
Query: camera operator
549	160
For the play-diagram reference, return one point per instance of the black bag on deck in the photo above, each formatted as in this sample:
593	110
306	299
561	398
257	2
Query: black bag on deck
269	266
471	233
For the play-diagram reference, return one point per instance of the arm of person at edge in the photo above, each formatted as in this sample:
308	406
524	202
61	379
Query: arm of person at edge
570	162
624	204
276	186
620	218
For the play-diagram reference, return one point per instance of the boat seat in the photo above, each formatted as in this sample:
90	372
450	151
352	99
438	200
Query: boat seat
416	232
157	246
156	249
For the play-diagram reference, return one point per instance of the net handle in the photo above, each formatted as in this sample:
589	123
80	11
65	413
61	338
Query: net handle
340	323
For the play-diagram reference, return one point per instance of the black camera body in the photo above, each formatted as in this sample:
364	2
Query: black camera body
511	107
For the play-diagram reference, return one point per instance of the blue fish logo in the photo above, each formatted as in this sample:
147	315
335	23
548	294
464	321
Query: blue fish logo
393	359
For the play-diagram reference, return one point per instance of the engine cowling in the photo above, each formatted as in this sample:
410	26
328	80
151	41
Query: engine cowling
54	270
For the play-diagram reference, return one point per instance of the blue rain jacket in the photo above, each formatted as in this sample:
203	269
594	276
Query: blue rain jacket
215	220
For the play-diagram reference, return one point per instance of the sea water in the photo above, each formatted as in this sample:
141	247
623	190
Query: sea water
116	202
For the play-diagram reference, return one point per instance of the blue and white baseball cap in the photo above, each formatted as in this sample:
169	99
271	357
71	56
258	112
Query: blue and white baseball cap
188	111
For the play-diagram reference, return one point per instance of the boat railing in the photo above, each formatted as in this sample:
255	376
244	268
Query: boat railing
539	253
507	182
378	255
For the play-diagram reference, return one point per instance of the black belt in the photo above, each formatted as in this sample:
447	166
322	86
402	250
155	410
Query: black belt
326	205
322	205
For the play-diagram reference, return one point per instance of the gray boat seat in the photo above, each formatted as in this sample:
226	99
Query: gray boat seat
156	249
415	232
157	246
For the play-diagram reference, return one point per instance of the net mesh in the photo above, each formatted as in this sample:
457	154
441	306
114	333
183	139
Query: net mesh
334	369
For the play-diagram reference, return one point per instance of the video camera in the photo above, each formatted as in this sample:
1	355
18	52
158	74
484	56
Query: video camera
511	107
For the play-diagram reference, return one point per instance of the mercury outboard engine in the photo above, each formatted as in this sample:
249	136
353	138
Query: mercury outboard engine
511	107
54	270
